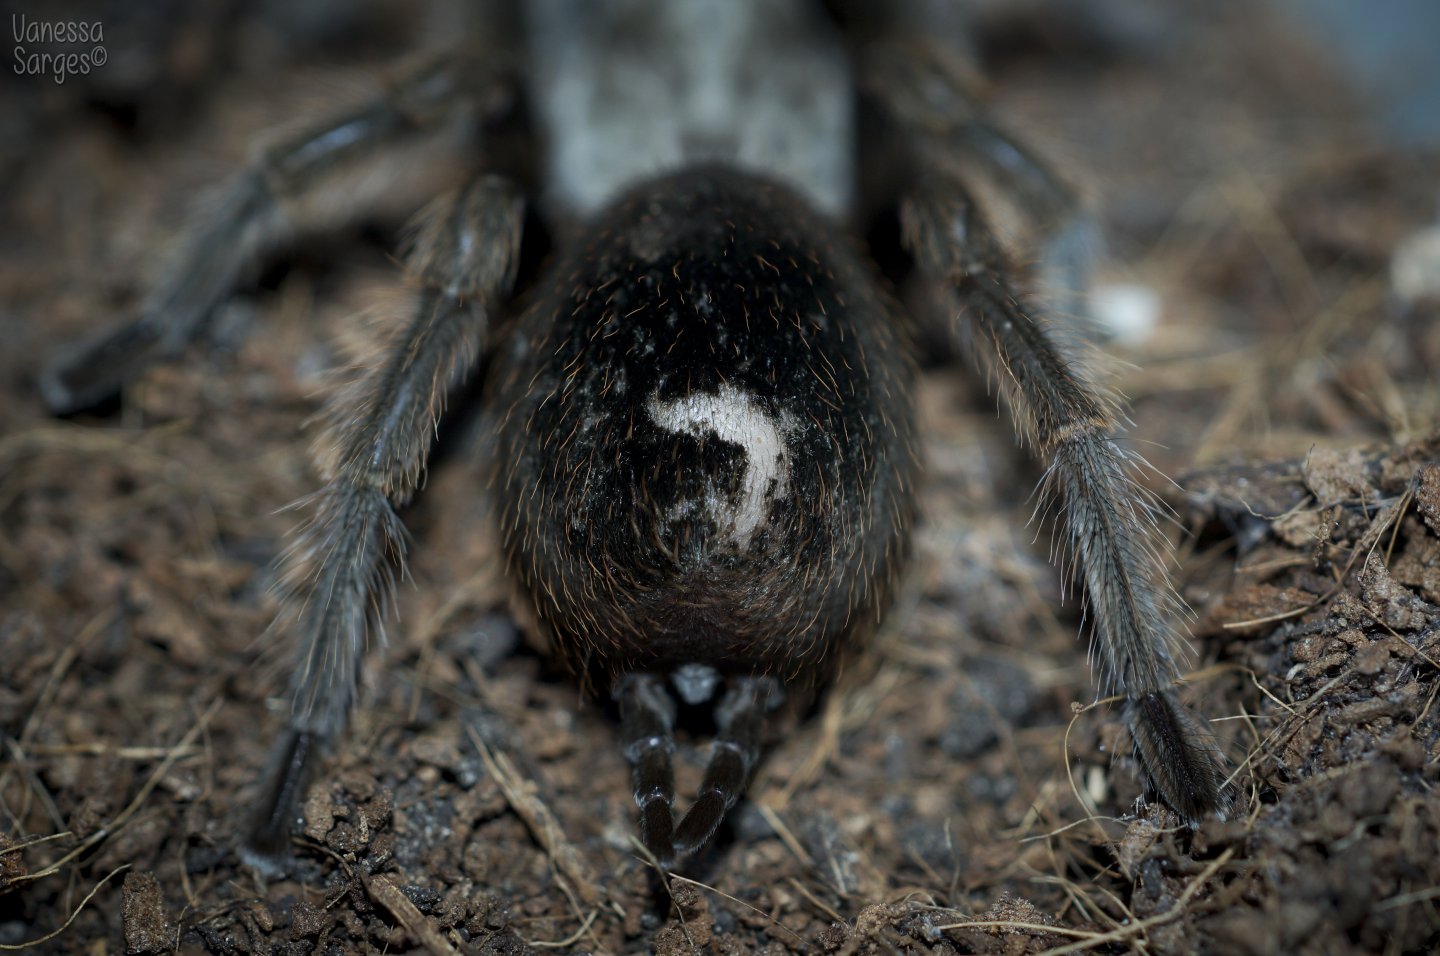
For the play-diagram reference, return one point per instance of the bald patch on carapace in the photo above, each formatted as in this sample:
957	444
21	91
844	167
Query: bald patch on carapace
735	417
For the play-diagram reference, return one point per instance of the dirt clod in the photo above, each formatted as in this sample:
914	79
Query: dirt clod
147	930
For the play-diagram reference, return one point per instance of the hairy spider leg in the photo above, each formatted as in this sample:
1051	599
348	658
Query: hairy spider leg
923	86
1108	519
342	562
257	209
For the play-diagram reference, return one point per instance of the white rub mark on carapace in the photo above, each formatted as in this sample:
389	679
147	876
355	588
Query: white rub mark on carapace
735	417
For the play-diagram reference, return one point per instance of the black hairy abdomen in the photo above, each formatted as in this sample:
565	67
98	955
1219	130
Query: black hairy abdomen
705	435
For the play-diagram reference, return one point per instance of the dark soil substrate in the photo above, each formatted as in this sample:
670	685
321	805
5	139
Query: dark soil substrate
951	794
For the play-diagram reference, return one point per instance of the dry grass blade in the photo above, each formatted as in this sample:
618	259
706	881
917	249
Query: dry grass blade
383	890
524	799
754	909
570	940
1120	934
184	747
21	947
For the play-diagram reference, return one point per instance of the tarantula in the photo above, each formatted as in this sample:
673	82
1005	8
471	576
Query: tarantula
704	447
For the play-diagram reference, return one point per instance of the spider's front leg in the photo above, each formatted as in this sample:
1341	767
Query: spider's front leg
343	561
256	208
926	96
1107	517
